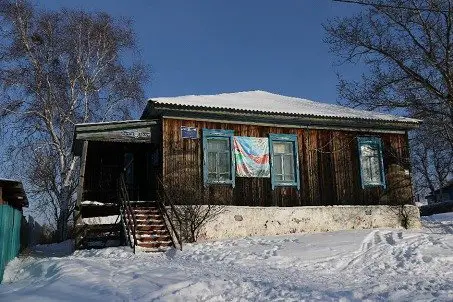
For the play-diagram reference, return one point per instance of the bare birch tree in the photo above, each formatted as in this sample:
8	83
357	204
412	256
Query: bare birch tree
408	47
432	160
57	69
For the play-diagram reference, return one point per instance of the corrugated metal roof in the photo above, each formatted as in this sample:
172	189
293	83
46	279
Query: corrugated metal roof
265	102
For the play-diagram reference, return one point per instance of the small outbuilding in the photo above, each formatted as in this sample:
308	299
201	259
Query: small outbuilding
276	165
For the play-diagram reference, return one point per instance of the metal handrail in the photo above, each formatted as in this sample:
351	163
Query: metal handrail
162	204
126	209
172	227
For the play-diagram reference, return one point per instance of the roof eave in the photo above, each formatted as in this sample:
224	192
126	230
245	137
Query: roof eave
91	131
154	110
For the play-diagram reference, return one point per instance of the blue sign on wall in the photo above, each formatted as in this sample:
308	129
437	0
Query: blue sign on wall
189	132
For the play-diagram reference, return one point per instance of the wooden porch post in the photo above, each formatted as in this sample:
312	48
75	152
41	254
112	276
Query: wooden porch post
77	212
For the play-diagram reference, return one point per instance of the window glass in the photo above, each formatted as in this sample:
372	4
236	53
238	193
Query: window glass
283	161
288	167
281	147
375	176
278	169
218	144
211	165
224	162
219	159
371	162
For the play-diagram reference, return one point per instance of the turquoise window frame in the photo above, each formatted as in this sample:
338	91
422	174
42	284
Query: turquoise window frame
216	134
292	138
376	142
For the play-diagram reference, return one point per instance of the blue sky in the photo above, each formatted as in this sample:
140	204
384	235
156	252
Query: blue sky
205	47
213	46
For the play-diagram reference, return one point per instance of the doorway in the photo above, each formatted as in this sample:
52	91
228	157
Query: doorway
140	163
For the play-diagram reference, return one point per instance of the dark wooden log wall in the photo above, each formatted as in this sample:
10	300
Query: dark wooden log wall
329	168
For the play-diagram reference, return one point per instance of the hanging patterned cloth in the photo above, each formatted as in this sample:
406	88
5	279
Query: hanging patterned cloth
252	156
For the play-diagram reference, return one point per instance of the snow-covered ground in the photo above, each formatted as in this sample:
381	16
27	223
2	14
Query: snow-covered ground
373	265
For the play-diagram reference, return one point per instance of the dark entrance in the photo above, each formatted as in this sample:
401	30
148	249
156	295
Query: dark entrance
106	161
139	166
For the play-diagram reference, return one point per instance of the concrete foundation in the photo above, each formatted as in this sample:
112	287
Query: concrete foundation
237	221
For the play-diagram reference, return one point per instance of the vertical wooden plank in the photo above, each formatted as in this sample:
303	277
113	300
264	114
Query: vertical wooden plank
312	163
299	200
325	169
328	176
331	169
348	156
164	150
80	192
354	161
343	173
408	167
337	163
304	168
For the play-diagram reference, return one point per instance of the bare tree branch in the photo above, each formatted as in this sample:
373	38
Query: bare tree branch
58	69
407	45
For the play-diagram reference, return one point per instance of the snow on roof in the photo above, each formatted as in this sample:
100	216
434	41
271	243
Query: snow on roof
113	122
266	102
9	180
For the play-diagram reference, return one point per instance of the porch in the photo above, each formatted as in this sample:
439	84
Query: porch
117	200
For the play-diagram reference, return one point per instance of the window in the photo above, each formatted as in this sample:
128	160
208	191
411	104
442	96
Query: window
371	163
284	160
218	157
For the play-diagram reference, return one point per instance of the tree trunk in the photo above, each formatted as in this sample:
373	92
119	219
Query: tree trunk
62	226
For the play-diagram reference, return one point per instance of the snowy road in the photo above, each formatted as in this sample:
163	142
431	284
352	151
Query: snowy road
374	265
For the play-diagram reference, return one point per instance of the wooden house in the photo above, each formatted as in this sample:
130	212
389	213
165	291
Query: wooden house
254	153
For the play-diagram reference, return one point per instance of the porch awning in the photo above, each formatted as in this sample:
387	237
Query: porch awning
131	131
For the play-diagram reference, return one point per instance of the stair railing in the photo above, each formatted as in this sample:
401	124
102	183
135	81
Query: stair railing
128	215
163	201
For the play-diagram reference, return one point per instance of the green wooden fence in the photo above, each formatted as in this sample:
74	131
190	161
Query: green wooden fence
10	223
